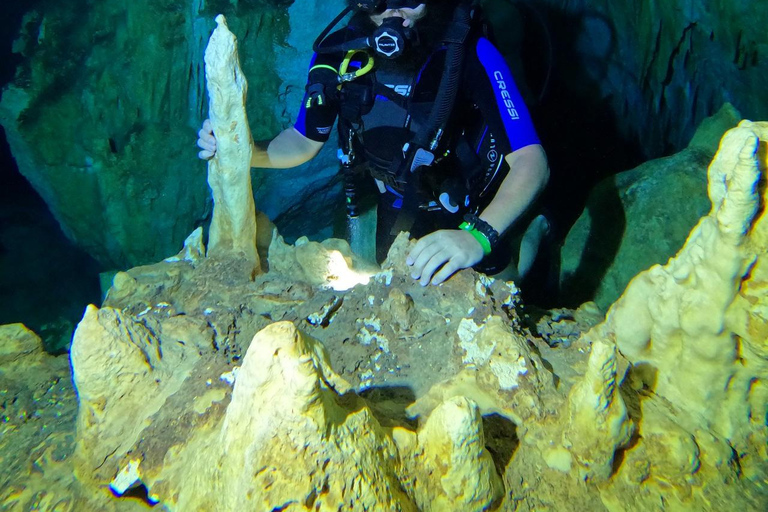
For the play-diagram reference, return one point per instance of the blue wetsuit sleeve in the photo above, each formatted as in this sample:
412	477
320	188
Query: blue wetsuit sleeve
316	122
492	87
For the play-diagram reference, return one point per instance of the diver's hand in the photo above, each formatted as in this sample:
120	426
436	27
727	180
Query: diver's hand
451	249
206	141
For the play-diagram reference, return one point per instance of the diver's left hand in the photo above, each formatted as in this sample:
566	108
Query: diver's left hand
449	250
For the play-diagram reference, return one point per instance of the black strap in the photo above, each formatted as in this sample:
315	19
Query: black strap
456	32
380	89
483	227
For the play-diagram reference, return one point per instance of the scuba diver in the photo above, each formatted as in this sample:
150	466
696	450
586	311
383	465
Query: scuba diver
428	108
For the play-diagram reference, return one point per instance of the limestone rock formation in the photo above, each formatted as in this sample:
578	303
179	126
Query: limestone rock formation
639	218
598	422
37	431
662	401
233	227
283	397
693	332
328	263
304	417
704	308
406	398
691	335
201	389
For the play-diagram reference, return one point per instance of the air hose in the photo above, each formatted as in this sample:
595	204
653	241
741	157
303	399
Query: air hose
449	82
421	151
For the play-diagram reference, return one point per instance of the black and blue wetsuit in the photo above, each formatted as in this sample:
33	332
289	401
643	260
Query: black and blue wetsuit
487	84
489	121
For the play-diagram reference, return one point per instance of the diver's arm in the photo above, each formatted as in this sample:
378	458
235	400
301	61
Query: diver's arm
490	84
528	175
288	149
436	256
493	88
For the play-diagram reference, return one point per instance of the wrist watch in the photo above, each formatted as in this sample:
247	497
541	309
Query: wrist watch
483	232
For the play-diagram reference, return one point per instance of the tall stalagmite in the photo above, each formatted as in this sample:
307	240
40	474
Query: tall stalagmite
233	228
695	328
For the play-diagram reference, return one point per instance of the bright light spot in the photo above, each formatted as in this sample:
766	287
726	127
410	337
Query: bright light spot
127	478
339	276
230	377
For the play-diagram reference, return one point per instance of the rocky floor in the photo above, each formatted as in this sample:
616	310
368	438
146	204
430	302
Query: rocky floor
391	339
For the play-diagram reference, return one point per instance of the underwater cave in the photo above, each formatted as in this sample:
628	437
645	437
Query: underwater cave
596	116
100	104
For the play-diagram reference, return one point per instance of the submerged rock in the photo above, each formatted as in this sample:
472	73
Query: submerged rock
37	431
406	398
201	389
639	218
185	363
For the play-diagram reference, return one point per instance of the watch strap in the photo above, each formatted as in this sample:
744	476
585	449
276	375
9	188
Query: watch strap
480	237
483	227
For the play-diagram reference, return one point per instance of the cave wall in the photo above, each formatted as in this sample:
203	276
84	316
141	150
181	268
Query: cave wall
90	118
639	218
103	114
662	67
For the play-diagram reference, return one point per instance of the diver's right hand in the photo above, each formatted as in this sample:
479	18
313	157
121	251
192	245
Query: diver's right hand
206	141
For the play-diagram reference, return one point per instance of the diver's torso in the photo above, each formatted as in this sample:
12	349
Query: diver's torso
381	123
389	124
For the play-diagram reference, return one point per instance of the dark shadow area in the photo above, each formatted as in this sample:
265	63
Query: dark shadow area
621	453
762	158
138	493
500	440
388	405
580	133
646	375
607	224
639	383
45	281
11	14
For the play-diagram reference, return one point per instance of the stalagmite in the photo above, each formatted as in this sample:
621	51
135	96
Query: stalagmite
598	423
694	331
286	434
451	444
696	326
123	375
233	227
